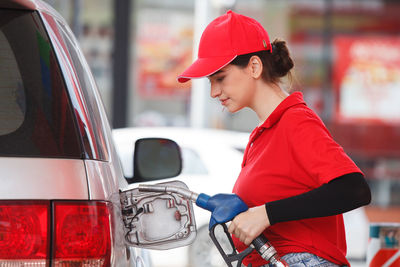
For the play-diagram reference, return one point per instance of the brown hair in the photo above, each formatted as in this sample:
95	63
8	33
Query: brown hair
276	65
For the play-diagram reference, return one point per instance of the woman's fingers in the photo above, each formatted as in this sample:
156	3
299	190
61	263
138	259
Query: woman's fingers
249	224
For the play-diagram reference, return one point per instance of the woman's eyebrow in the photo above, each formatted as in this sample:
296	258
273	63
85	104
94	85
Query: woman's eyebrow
216	73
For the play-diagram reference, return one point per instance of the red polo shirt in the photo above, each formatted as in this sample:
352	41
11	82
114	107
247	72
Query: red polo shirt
292	153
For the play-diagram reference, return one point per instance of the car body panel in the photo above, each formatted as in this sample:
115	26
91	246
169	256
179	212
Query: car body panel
102	179
36	178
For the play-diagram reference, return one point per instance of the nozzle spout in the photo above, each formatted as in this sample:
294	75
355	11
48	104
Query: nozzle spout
192	196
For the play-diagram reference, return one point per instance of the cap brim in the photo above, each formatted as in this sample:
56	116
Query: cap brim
204	67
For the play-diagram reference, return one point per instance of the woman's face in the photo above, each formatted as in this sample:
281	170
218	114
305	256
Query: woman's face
233	86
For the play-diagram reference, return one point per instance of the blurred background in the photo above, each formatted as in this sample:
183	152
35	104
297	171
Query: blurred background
347	64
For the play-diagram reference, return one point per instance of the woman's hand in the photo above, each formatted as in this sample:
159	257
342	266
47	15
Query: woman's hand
248	225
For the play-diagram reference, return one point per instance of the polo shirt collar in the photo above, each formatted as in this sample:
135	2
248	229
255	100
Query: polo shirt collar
295	98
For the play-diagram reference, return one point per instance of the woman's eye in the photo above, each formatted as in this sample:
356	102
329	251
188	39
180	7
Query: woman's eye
220	79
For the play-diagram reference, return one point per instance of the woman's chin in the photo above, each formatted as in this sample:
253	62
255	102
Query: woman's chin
233	109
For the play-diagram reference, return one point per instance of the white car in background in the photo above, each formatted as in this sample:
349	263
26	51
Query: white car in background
211	163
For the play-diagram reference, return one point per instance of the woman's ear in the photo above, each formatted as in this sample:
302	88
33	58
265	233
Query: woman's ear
255	67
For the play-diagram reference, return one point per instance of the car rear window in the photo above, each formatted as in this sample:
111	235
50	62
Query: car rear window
35	113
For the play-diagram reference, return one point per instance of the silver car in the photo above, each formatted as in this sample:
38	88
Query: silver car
63	198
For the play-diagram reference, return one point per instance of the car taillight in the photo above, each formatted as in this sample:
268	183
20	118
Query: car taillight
82	235
24	230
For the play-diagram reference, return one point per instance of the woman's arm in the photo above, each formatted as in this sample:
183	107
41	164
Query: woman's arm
340	195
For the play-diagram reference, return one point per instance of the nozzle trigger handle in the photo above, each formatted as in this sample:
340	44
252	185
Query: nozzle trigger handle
231	255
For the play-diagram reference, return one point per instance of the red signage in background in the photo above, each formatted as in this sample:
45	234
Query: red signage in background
367	84
164	49
367	79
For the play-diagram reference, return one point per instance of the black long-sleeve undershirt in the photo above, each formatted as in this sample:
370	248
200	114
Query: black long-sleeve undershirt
340	195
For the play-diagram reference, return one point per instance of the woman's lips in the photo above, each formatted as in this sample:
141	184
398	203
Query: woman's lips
223	101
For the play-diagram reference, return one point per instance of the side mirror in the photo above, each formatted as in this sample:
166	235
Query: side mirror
154	159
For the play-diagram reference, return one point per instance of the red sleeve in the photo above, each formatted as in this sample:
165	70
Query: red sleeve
314	149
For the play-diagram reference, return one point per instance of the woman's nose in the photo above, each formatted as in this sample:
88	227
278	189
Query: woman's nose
215	91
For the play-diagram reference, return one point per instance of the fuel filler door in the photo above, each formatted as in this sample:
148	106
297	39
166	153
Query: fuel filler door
158	220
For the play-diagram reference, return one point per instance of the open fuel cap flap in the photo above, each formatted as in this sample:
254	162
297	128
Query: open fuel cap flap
158	220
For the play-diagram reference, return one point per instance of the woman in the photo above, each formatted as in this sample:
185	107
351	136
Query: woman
296	180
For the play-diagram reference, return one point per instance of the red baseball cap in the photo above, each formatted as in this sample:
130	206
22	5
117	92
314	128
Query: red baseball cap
223	40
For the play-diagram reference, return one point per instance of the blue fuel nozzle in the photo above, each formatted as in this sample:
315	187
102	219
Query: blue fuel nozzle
223	207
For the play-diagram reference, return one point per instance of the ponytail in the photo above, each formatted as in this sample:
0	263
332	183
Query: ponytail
276	65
